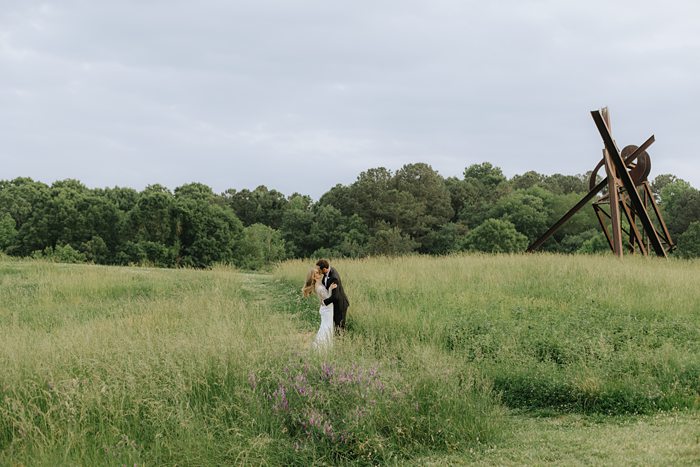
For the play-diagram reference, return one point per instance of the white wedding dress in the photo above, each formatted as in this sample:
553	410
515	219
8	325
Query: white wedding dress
324	336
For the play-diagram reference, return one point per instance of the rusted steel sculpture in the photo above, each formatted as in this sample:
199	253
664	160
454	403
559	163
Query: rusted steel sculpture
628	193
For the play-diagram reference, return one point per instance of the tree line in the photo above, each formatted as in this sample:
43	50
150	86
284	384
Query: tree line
413	209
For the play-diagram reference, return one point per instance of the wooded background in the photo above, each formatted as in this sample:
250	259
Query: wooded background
413	209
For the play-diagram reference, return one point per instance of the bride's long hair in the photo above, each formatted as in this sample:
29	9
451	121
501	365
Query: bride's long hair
310	284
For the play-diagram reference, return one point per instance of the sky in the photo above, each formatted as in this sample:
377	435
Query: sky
302	95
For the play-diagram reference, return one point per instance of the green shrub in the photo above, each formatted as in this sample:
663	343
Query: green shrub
495	236
689	241
61	254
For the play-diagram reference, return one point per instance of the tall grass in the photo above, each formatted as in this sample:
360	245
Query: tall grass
564	333
127	365
105	365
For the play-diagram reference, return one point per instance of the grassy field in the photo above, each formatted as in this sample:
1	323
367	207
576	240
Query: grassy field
505	360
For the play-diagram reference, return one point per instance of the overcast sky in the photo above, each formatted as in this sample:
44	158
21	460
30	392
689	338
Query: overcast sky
302	95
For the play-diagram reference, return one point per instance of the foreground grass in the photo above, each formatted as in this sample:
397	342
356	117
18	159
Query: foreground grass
466	359
109	365
120	365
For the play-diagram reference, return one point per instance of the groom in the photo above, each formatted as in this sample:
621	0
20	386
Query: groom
338	299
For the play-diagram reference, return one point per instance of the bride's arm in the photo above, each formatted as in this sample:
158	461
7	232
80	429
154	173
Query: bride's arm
324	294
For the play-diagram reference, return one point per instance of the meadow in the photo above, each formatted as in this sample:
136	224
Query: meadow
465	359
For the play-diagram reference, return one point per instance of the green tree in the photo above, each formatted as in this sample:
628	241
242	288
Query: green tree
486	174
525	211
527	180
371	192
8	233
259	246
428	204
195	191
297	222
586	241
689	241
350	241
21	197
447	238
564	184
342	198
153	217
495	236
390	241
594	244
260	206
460	194
353	245
327	227
67	217
124	199
659	182
556	205
680	203
483	185
207	232
96	250
104	220
26	202
673	191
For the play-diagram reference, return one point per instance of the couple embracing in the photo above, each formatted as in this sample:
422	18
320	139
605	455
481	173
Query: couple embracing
324	281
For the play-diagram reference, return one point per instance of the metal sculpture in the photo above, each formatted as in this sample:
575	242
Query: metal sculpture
628	193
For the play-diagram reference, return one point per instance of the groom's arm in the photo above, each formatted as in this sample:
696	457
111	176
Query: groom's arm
334	291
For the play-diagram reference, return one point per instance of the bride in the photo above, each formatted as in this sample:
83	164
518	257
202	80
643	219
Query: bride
324	336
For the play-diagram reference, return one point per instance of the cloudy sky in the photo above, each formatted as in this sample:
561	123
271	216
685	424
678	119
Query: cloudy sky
302	95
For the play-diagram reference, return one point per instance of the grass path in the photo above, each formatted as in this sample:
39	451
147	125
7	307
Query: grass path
661	439
266	292
258	287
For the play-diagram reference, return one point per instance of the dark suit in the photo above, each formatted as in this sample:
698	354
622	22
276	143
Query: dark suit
338	299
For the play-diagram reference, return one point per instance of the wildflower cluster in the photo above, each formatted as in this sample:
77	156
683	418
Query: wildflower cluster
326	403
356	412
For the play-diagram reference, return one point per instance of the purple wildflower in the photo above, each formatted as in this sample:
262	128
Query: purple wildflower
326	371
252	381
300	384
359	413
315	419
328	430
280	396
